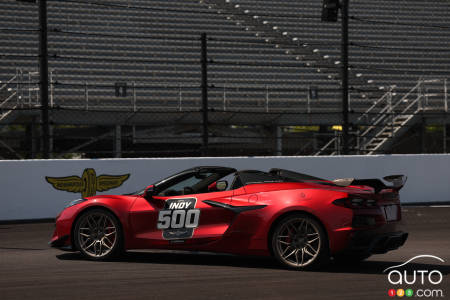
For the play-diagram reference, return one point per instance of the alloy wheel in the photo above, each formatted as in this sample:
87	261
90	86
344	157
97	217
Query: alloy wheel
97	234
298	242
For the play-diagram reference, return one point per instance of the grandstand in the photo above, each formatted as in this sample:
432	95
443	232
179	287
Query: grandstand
265	58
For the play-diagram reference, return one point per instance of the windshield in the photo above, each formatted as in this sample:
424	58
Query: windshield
191	181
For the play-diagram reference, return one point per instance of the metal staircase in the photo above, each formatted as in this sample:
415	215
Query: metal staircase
391	121
390	117
10	96
19	92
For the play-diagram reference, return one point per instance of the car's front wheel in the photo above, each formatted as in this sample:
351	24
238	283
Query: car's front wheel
98	235
300	242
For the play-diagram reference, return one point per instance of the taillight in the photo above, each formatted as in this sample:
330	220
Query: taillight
355	202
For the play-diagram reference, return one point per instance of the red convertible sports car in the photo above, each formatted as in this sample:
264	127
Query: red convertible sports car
302	221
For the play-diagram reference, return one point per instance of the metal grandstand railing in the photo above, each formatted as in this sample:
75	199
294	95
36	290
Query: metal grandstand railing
21	91
92	96
10	95
402	114
389	117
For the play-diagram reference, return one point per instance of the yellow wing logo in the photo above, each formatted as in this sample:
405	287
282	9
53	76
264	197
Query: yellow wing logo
107	182
69	184
88	184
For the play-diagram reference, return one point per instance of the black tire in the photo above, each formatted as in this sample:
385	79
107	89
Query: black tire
302	241
98	227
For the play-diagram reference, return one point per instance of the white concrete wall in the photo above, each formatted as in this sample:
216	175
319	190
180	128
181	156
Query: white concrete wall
25	194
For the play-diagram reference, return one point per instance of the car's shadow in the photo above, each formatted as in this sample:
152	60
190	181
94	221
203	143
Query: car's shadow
187	258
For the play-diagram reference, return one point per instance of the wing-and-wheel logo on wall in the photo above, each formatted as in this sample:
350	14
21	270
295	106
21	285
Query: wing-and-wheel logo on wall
417	280
88	184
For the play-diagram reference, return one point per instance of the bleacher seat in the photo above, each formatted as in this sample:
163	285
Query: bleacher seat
159	46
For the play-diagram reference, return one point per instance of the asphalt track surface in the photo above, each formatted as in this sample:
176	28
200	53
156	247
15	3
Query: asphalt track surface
31	270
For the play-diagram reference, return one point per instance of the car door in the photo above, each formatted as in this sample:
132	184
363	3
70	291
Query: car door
203	222
178	220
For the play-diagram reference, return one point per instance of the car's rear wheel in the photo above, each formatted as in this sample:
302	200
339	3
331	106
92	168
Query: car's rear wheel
98	235
300	242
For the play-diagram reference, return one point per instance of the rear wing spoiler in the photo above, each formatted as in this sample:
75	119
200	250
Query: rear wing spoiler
397	181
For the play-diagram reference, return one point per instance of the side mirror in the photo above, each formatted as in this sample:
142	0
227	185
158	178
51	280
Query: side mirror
221	185
149	192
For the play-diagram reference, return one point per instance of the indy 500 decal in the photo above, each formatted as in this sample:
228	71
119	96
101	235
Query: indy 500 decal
179	218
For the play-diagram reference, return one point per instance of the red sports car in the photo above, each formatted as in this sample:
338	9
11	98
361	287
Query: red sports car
301	220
